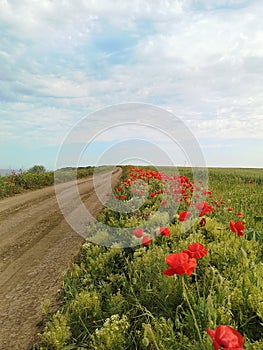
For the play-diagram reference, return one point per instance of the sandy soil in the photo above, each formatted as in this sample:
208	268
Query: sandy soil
37	246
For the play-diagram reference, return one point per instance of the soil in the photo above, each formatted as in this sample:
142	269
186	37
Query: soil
37	247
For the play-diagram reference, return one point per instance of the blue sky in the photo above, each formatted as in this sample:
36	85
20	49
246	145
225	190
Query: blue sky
61	61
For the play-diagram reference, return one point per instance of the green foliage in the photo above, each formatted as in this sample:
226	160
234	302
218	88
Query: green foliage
115	298
37	169
38	177
57	333
19	182
112	335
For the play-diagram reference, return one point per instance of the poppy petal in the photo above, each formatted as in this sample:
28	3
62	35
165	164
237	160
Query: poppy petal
169	272
232	226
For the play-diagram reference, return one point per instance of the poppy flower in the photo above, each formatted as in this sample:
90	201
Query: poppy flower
119	188
226	337
196	250
165	231
232	226
199	205
138	233
146	240
206	193
229	209
152	194
237	227
204	208
123	196
180	263
184	215
239	214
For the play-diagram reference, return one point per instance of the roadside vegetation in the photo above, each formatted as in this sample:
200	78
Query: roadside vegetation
190	281
37	177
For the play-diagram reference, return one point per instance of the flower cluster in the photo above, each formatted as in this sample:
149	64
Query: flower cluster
195	201
203	208
237	227
185	262
146	240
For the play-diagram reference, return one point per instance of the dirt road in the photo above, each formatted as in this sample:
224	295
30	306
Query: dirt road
37	246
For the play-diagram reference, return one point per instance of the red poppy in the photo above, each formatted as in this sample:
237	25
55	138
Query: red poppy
204	208
146	240
239	214
229	209
237	227
179	263
119	188
117	197
184	215
196	250
123	196
165	231
226	337
199	205
152	194
138	233
206	193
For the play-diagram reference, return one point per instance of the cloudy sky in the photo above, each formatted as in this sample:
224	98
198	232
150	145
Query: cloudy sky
62	61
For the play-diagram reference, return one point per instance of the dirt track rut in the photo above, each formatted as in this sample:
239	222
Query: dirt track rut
37	246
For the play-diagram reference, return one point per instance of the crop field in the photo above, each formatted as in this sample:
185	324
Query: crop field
182	269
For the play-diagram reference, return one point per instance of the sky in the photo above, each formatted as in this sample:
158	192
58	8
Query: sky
102	67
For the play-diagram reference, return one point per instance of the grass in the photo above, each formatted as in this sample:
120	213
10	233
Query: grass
22	181
116	298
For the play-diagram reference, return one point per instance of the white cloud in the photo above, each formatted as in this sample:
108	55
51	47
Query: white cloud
63	60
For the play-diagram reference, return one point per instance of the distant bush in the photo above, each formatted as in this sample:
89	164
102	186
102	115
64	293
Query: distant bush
37	169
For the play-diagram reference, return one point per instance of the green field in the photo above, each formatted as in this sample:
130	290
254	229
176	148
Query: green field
119	298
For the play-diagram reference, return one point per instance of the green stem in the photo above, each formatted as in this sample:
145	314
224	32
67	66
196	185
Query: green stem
192	312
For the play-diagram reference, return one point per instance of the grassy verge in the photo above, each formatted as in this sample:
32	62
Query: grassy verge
116	298
22	181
